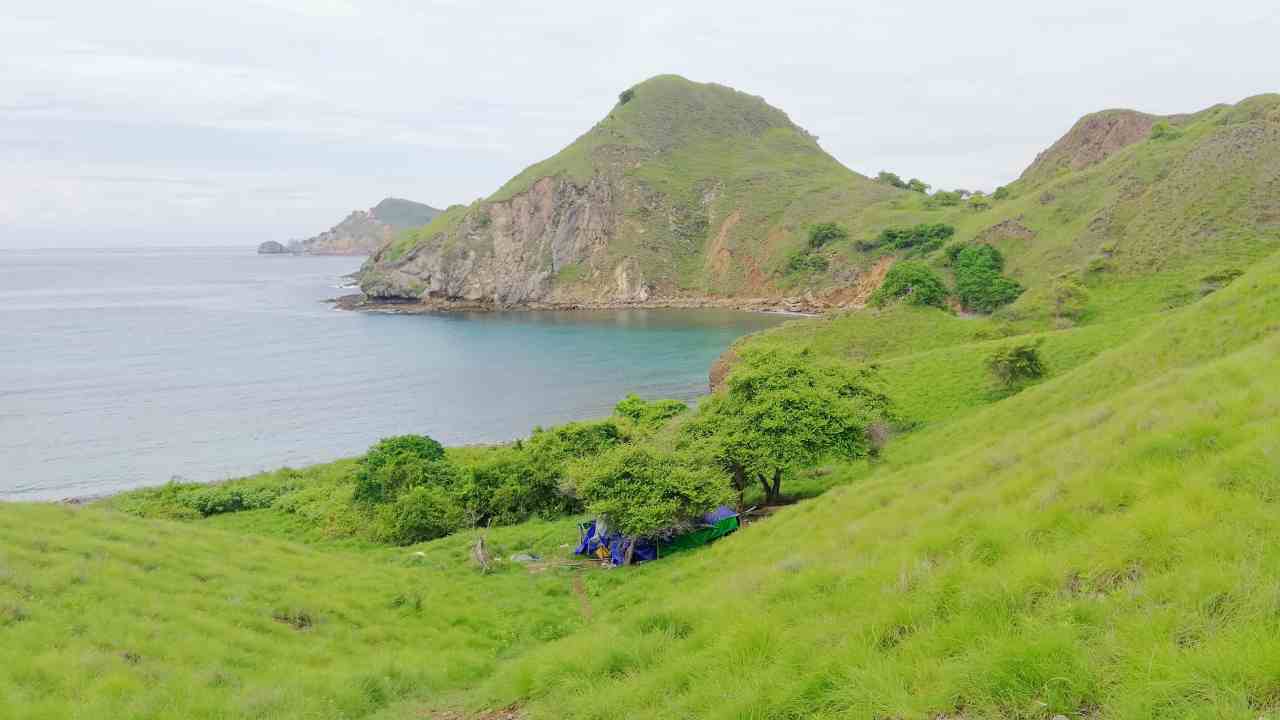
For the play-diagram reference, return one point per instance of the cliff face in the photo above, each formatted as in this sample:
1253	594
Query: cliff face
364	231
686	193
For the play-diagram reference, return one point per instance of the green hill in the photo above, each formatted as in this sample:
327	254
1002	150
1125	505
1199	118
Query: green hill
364	231
684	191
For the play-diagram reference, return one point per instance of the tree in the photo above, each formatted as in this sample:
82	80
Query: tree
395	463
626	96
892	179
642	491
917	185
1000	193
1014	365
781	411
914	282
979	282
423	513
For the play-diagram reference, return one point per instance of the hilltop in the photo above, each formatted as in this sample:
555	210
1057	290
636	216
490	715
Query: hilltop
685	192
364	231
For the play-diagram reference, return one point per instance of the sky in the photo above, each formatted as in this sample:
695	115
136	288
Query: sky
233	122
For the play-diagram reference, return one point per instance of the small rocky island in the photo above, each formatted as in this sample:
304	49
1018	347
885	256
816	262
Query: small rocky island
271	247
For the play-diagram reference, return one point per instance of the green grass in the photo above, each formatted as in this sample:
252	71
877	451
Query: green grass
1102	543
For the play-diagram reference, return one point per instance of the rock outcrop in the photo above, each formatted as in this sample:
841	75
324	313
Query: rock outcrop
1091	140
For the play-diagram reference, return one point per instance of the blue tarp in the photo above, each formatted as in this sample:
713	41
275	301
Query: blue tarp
616	543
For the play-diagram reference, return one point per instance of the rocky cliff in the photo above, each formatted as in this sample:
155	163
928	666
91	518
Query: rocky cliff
364	231
686	193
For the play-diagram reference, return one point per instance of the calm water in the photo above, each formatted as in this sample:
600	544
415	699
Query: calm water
122	368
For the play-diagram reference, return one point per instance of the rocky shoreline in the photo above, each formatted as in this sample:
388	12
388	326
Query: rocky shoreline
799	307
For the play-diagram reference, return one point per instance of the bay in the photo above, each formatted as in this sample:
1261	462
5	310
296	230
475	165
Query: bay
121	368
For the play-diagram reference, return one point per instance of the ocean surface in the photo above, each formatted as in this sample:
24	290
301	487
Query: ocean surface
125	368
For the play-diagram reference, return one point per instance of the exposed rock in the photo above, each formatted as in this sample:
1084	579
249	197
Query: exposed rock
1011	229
271	247
1091	140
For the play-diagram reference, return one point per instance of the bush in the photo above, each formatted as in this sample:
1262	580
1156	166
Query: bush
649	415
927	236
979	283
1000	193
1162	130
917	185
420	514
803	261
641	491
892	179
824	233
1017	364
626	96
943	198
1070	298
913	281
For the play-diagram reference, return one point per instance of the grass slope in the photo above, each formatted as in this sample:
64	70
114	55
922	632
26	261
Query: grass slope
1102	544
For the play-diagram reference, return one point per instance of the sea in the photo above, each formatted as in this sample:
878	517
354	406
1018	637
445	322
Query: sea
123	368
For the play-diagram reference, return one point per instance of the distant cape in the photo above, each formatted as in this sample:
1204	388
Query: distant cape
364	231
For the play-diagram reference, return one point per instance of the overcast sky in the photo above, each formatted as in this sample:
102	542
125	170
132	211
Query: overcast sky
233	122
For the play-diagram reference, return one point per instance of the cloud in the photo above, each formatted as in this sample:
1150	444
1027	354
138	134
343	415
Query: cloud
271	118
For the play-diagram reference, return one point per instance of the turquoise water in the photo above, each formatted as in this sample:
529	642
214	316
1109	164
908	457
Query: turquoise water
124	368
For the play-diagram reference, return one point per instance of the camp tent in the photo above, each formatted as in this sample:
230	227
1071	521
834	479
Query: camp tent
599	541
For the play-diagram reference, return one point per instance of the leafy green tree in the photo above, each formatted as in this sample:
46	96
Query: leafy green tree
1000	193
821	234
1014	365
979	282
392	464
914	282
918	185
782	411
924	235
888	178
642	491
943	198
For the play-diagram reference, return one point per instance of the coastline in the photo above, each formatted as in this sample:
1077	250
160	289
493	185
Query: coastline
796	307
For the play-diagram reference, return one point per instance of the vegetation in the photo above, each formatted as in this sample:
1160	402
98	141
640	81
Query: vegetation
927	237
785	411
1015	365
645	492
822	233
1100	544
914	282
979	282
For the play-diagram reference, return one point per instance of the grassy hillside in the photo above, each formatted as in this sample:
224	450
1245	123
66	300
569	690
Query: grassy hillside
1099	544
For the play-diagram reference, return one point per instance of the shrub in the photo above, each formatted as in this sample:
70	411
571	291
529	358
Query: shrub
1162	130
1220	279
943	198
913	281
626	96
782	411
1070	298
803	261
642	491
1016	364
917	185
420	514
1000	193
824	233
979	283
892	179
650	415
